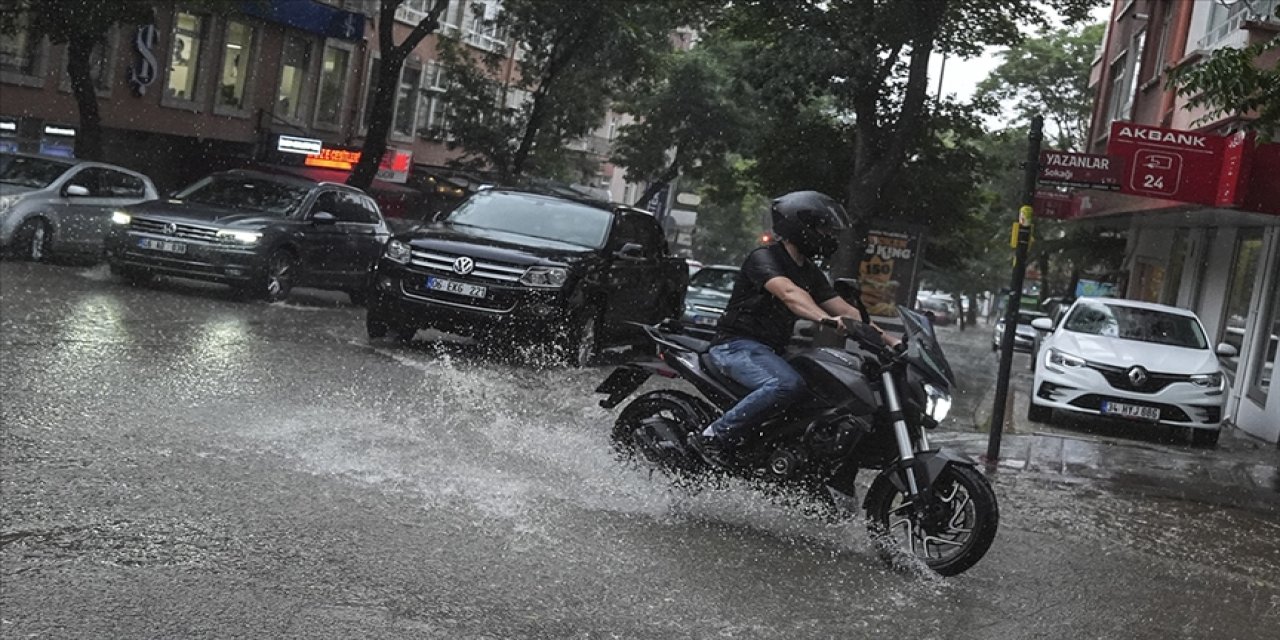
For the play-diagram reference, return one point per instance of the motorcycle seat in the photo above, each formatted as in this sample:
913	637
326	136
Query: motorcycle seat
693	344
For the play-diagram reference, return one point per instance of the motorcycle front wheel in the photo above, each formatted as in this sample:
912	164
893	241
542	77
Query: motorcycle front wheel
951	535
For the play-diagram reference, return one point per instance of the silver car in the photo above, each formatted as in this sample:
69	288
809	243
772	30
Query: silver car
55	205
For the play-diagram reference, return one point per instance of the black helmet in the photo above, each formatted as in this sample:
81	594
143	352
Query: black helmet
811	220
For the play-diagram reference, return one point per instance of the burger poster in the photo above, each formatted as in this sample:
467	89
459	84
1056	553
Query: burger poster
887	272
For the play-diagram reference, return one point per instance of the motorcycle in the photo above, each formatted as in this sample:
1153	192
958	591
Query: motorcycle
868	406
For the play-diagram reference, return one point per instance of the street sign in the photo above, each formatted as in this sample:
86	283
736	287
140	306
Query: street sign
1080	170
1174	165
1056	205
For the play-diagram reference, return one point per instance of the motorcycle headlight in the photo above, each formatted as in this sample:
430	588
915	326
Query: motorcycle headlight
398	251
545	276
121	218
1062	359
230	236
937	402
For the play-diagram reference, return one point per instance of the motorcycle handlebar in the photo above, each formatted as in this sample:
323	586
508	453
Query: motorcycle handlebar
868	337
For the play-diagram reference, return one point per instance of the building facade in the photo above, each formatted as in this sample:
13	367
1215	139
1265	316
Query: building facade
1223	262
195	91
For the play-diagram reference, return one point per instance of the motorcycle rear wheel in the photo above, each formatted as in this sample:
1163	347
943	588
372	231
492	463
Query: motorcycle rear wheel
969	520
686	413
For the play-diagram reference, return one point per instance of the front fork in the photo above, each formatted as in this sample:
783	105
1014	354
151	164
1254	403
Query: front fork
906	448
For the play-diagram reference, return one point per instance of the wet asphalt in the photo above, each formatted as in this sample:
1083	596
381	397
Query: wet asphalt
178	463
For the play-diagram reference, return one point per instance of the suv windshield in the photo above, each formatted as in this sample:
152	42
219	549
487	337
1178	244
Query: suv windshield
717	279
247	193
535	216
36	173
1132	323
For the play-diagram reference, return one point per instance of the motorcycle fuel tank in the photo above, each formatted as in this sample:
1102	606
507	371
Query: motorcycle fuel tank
836	378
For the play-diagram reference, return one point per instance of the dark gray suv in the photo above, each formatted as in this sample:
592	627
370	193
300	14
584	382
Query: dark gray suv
259	232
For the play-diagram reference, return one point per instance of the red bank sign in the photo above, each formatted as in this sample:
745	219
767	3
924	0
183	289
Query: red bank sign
1180	165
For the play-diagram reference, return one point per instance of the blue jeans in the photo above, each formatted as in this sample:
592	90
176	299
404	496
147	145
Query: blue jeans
755	366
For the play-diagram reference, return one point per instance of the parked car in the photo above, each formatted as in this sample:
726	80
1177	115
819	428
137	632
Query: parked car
51	206
511	263
261	233
943	310
1024	337
1132	361
706	298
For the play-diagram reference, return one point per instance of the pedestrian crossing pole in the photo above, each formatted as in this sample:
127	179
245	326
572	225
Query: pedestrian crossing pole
1021	240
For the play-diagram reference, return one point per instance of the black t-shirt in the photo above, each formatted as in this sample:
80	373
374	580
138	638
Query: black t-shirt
755	313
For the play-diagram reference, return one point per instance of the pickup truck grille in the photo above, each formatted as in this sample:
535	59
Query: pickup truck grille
187	231
443	263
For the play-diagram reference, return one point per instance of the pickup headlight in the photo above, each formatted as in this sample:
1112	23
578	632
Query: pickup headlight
229	236
121	218
1208	380
398	251
1062	359
937	402
545	276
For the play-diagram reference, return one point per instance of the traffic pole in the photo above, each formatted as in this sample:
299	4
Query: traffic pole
1022	238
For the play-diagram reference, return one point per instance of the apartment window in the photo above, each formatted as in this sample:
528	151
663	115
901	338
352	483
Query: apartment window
184	56
333	81
1118	105
99	65
432	108
407	101
237	49
1132	70
1244	276
371	89
1162	51
293	77
21	53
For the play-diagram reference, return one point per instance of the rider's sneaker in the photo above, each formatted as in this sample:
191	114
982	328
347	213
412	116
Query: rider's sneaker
712	449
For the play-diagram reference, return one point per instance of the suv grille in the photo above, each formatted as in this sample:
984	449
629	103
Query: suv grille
443	263
187	231
1118	378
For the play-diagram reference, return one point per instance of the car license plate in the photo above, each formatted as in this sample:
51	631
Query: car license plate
455	287
1136	412
705	321
162	245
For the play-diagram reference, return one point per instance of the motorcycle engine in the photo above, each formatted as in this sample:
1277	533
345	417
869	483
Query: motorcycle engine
785	463
833	438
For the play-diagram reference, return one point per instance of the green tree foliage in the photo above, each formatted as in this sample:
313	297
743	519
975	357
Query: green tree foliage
387	83
1236	82
81	25
1049	76
695	113
575	58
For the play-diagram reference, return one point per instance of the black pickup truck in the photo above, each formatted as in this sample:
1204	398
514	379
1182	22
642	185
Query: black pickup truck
512	264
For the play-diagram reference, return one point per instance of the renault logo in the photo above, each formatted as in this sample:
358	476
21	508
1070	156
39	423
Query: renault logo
1138	376
464	265
170	228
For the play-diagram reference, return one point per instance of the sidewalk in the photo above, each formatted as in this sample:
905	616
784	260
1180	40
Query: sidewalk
1240	472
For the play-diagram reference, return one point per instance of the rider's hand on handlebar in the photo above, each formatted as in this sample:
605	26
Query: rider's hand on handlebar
834	322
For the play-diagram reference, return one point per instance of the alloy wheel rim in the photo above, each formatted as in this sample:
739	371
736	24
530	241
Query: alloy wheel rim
586	341
949	541
278	280
37	243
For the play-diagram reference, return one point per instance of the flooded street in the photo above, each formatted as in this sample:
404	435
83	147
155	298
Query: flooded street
175	462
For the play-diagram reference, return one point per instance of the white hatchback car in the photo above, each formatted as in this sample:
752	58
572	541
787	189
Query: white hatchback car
1130	360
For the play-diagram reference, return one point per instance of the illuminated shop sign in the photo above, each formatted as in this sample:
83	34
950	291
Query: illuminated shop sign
294	144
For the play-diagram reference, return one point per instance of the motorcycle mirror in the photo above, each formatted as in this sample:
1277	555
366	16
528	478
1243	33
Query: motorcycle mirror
848	288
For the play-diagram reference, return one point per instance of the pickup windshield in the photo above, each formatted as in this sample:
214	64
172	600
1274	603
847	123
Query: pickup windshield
535	216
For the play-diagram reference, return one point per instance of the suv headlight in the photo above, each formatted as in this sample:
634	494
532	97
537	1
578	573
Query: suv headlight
1064	359
545	276
120	217
398	251
229	236
1208	380
937	402
9	202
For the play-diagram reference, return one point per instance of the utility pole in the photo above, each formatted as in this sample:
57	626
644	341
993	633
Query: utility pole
1030	170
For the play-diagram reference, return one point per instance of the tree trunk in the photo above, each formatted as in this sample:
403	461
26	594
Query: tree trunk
375	140
972	313
89	136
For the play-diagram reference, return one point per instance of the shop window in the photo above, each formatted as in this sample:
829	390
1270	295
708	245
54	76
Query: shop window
184	56
1177	259
237	51
407	101
1148	281
1265	370
293	78
333	81
1244	277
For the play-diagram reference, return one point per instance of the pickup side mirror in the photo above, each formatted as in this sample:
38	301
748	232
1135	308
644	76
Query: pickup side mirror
1042	324
75	191
1226	350
323	217
631	251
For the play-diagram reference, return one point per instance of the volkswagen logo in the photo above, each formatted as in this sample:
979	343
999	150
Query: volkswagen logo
464	265
1138	376
170	228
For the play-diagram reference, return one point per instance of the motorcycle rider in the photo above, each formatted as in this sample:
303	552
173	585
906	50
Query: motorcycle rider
778	282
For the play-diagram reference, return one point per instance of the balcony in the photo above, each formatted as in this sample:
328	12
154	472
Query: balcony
1226	33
